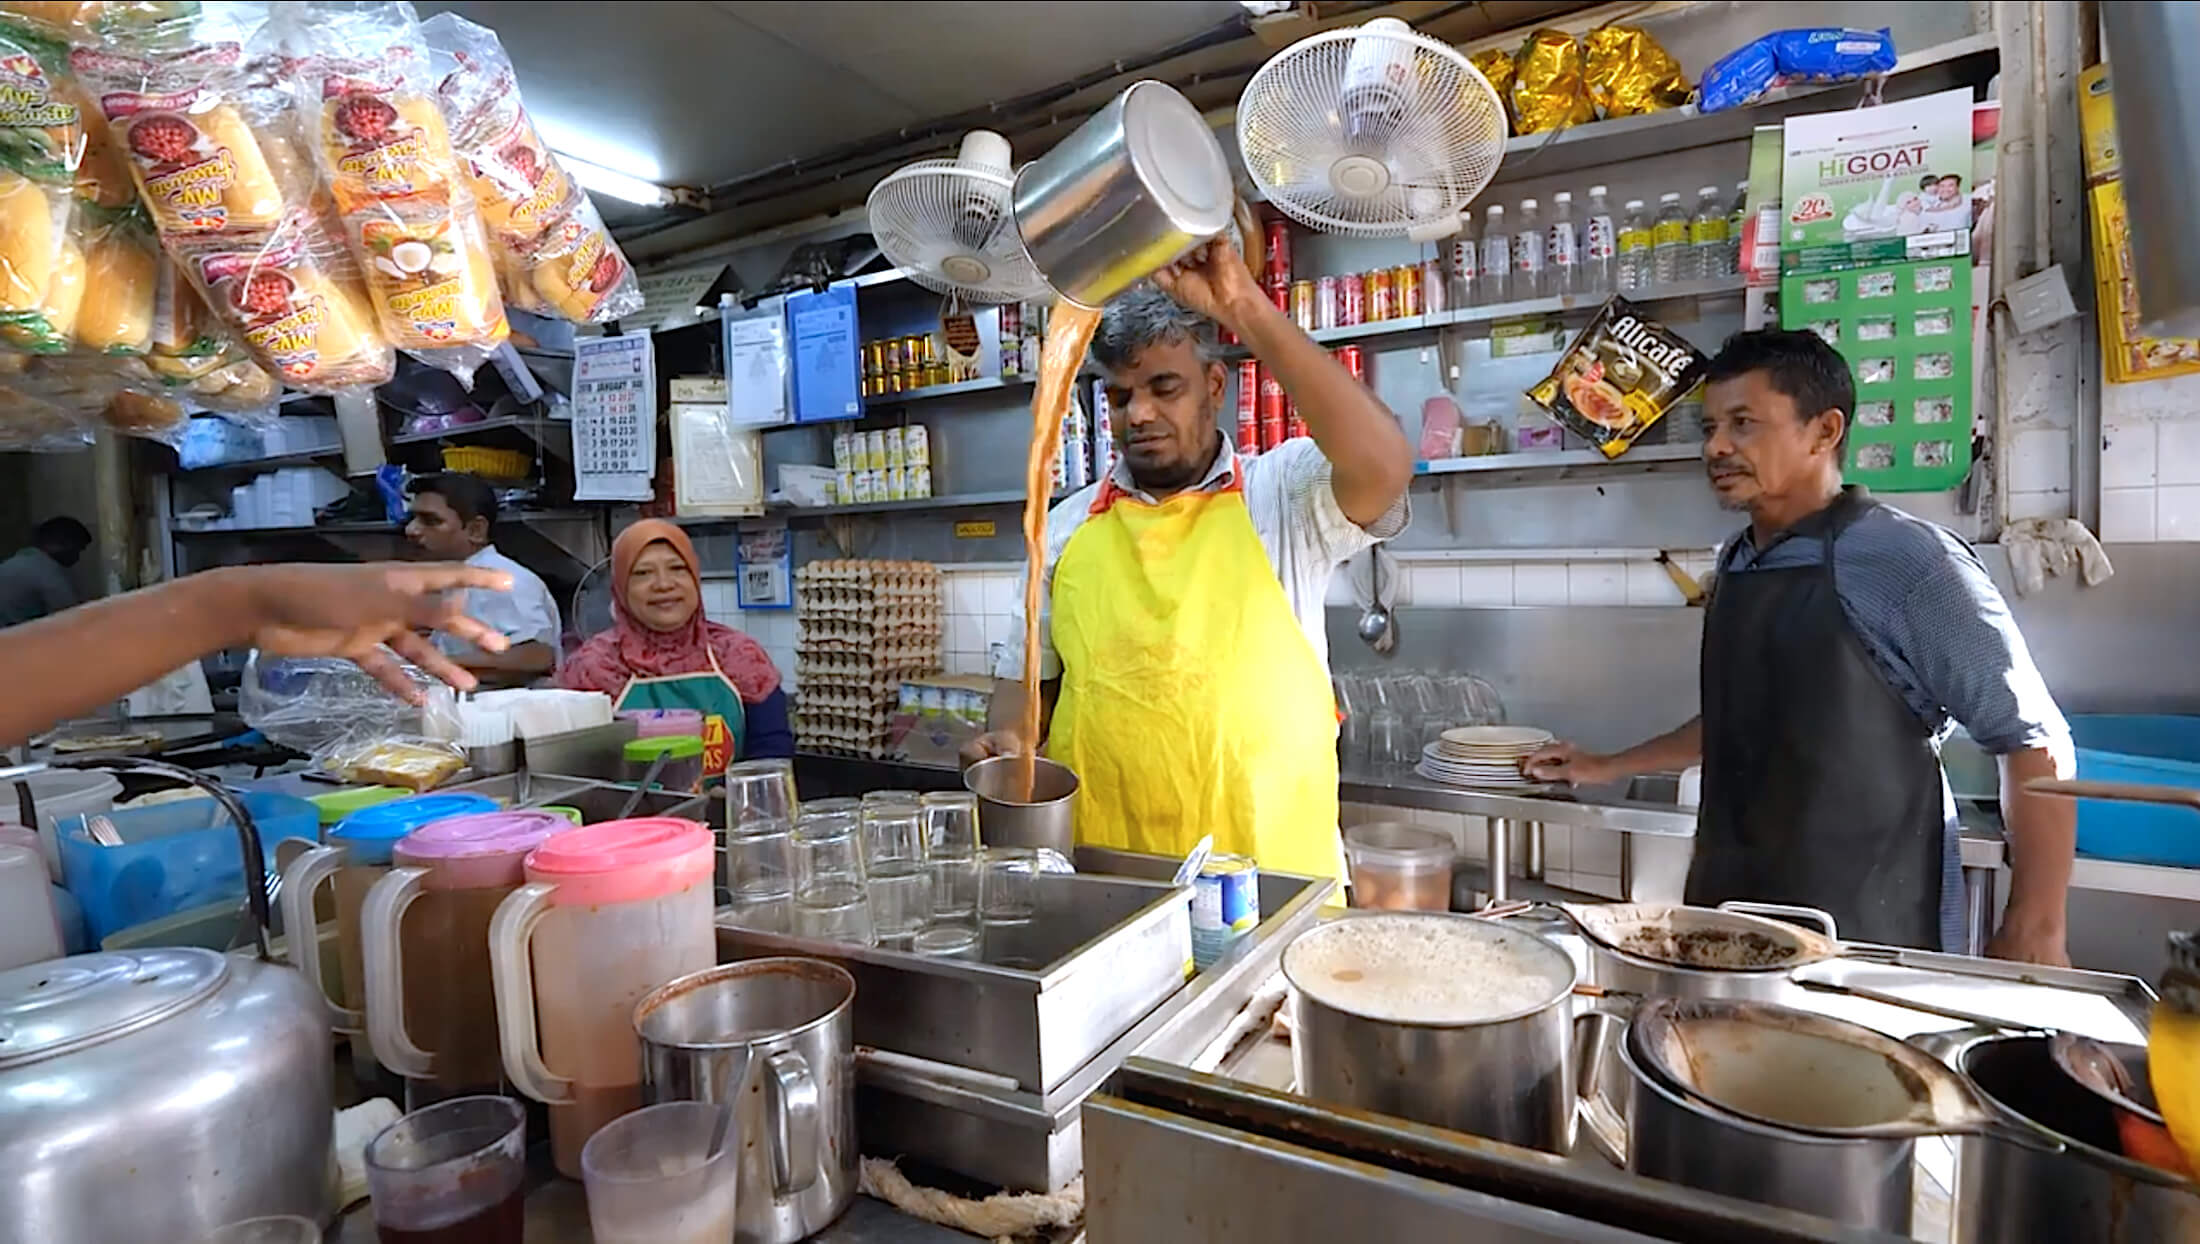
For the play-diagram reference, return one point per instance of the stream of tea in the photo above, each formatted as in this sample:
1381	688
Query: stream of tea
1069	331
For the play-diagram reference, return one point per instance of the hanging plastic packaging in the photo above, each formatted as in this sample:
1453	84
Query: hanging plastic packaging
1548	91
1629	73
295	301
1820	54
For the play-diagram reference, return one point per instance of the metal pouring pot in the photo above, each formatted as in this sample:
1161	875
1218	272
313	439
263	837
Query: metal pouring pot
1006	821
1132	189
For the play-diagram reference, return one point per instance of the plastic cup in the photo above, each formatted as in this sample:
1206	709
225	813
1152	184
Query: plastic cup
457	1168
665	1174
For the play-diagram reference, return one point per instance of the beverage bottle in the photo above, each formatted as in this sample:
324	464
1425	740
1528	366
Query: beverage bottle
1669	256
1466	266
1563	250
1530	274
1736	218
1707	236
1598	246
1634	247
1497	260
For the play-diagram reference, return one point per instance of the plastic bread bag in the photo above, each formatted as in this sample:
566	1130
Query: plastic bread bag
1629	73
1548	91
351	724
152	22
576	273
1620	375
432	282
119	263
293	298
179	121
29	421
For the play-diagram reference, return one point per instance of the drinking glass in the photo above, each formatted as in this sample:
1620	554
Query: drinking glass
1007	885
278	1229
946	941
759	793
760	879
830	897
665	1174
894	868
456	1168
872	799
1389	742
834	911
951	854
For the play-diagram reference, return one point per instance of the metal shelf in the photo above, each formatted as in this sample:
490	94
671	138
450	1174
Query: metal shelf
983	384
963	501
553	435
368	528
303	457
1563	465
1525	308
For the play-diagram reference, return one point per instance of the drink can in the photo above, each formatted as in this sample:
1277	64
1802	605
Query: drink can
1275	410
1405	284
1103	431
1382	295
1248	407
916	445
874	450
1351	300
1325	302
1225	905
1277	265
1302	304
897	455
1293	426
1435	290
1279	292
1354	360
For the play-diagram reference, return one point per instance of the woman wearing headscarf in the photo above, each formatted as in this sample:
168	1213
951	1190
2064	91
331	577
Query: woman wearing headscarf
661	652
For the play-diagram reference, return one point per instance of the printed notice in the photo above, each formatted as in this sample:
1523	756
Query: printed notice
614	418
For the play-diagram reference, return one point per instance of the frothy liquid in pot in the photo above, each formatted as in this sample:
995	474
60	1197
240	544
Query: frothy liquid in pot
1069	331
1420	970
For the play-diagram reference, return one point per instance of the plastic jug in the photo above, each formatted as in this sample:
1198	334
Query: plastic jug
355	855
424	939
609	912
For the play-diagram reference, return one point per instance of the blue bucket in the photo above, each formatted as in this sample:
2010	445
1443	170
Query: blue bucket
2154	750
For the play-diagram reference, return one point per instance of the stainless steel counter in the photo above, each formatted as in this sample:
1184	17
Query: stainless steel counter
557	1213
1619	808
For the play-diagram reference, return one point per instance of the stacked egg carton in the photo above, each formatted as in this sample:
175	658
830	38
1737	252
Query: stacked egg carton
864	627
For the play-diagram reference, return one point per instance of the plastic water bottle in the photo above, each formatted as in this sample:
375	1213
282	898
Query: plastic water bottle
1707	236
1670	260
1531	276
1466	267
1598	246
1564	246
1634	267
1497	260
1736	218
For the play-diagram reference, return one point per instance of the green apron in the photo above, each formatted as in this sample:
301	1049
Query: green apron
709	692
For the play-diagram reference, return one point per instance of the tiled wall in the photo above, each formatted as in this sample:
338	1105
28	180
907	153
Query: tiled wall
773	628
2150	460
1451	579
982	608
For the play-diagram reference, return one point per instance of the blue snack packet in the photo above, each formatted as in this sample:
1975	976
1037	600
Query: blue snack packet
1738	77
1821	54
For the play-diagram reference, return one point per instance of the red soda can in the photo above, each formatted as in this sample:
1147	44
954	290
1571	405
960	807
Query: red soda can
1279	292
1325	302
1248	407
1354	360
1275	410
1293	426
1405	285
1351	300
1302	304
1277	266
1382	296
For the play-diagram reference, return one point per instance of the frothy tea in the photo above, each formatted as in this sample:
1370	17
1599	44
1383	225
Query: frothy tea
1069	331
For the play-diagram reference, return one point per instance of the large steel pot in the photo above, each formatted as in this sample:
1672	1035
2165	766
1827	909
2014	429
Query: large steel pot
774	1039
1132	189
2087	1194
1504	1076
159	1094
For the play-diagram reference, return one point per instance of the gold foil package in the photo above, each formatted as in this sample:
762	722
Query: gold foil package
1620	375
1548	90
1629	73
1497	66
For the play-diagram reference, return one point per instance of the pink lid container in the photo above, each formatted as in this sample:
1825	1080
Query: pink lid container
651	723
623	861
479	850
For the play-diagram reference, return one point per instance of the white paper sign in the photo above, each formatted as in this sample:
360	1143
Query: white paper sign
614	418
756	367
669	297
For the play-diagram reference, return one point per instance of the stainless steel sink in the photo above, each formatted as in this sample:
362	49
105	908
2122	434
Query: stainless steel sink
1655	788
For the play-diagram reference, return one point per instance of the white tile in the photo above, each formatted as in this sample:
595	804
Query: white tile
1596	851
957	632
2128	455
965	592
1433	586
1539	583
2177	512
2177	451
1003	592
1474	838
2127	514
1648	584
1340	589
2039	460
1002	627
1596	583
2040	504
1483	586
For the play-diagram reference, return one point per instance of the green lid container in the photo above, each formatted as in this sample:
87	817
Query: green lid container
338	804
673	746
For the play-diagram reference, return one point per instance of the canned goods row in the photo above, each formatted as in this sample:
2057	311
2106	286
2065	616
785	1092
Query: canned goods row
892	484
1365	297
1266	415
882	449
919	361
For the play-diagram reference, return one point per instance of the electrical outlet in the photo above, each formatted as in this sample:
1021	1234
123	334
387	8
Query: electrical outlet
2041	300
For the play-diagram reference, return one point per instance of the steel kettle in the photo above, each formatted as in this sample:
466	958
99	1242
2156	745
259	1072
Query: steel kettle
158	1094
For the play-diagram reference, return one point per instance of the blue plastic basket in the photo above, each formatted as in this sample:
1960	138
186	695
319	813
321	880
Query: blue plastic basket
2156	750
173	856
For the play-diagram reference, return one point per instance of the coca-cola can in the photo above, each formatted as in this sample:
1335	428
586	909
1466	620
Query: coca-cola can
1248	407
1351	300
1354	360
1325	302
1293	426
1277	266
1275	410
1405	283
1279	292
1435	292
1382	296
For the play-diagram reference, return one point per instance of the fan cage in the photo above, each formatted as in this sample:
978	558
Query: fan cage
916	211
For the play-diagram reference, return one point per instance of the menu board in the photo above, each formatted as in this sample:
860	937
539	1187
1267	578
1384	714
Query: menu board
827	363
614	418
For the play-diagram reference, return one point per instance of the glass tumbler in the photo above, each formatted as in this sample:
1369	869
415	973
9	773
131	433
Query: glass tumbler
455	1170
951	853
1007	885
760	880
894	868
760	795
665	1174
831	901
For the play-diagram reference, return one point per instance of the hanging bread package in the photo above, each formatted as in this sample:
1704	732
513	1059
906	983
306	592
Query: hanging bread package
364	83
41	145
553	254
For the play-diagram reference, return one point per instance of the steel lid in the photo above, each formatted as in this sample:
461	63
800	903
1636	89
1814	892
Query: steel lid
1177	158
61	1005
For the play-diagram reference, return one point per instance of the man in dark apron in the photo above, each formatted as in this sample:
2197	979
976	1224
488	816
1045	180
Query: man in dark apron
1842	637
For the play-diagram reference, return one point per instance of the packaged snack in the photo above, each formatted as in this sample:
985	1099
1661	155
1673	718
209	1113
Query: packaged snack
1495	65
381	137
429	273
1629	73
41	129
187	342
1620	375
30	422
103	175
178	119
34	226
47	327
299	309
122	267
1820	54
579	273
1548	91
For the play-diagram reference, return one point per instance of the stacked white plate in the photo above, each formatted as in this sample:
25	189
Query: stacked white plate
1482	756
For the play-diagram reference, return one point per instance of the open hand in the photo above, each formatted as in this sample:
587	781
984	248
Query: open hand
1212	280
990	744
371	615
1564	762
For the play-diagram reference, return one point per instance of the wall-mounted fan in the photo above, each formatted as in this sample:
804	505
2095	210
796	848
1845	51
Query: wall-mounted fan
947	223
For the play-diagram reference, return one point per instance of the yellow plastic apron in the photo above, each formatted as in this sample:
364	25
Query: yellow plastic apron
710	692
1191	702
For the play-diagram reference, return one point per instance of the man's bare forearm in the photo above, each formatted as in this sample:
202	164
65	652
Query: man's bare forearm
2043	841
1370	458
137	637
515	666
1677	748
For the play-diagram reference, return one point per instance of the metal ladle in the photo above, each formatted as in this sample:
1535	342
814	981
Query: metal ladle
1376	627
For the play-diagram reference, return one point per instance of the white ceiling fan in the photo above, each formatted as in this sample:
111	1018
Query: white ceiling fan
947	223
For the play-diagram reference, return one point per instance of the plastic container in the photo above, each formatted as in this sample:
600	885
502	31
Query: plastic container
2156	750
29	930
338	804
656	723
60	794
173	856
683	768
665	1174
1398	867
